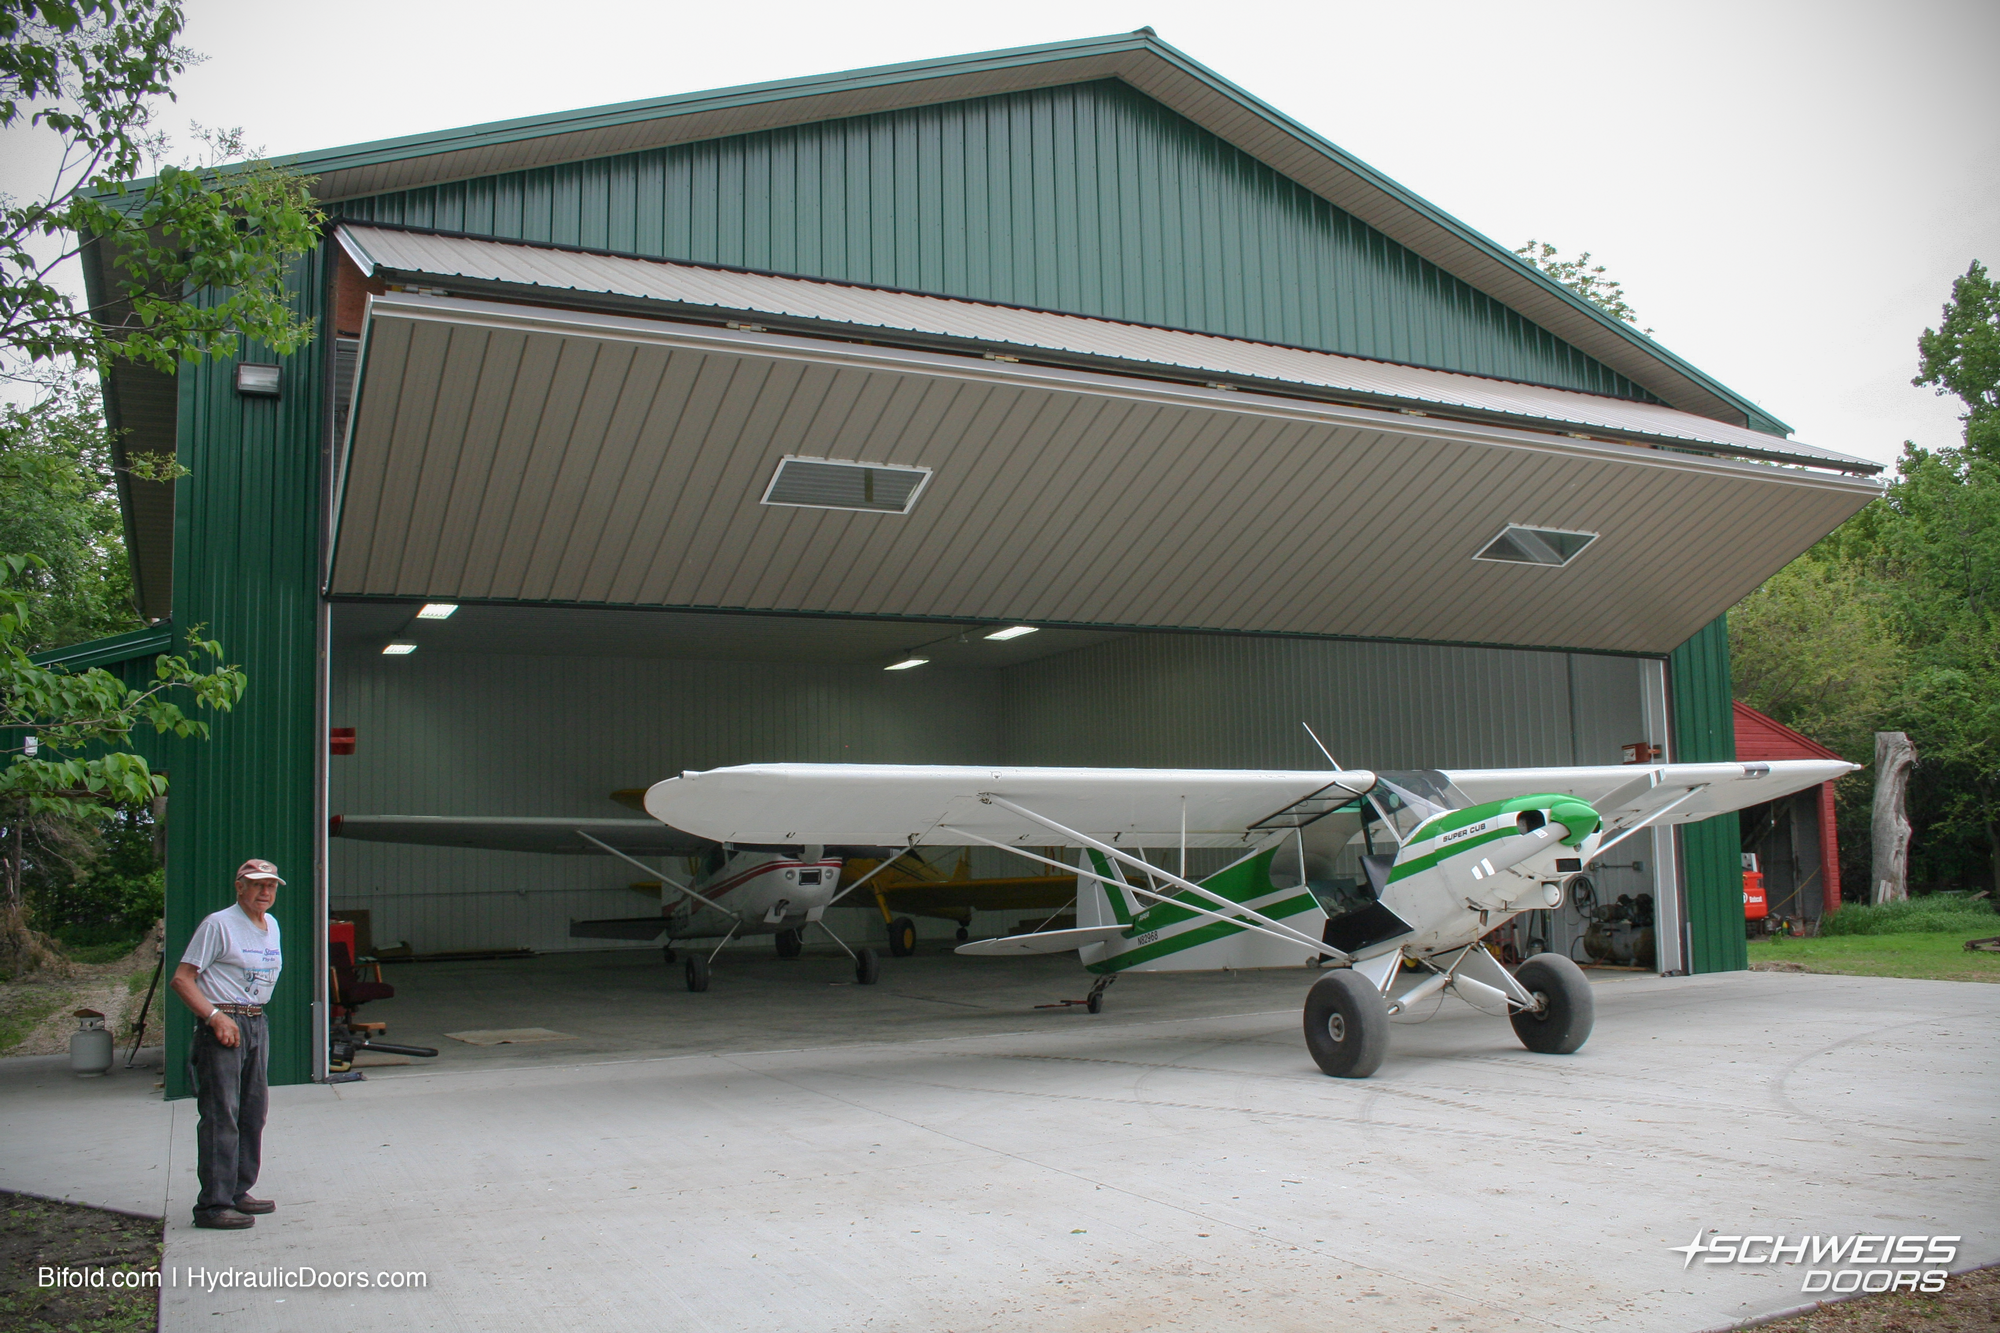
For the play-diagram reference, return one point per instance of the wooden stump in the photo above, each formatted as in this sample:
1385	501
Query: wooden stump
1894	756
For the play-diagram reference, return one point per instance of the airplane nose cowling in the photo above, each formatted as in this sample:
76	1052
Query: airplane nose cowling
1578	819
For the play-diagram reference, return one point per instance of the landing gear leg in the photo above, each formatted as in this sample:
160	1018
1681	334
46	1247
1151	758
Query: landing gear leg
667	955
1094	1002
867	963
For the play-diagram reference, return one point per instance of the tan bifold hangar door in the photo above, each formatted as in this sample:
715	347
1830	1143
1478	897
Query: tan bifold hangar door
1005	465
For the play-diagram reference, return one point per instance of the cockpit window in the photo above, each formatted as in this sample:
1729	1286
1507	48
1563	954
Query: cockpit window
1410	797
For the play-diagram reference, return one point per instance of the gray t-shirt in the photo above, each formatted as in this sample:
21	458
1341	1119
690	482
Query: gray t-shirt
239	964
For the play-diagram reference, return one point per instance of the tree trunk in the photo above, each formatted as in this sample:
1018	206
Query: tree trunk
1894	756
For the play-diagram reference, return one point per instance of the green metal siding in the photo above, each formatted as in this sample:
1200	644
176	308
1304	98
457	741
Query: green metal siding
1705	733
1090	198
246	555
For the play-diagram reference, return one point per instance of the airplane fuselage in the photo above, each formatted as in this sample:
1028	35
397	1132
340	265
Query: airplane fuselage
1465	873
1459	875
767	892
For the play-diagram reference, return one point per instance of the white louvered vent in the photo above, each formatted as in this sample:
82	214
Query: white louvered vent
831	483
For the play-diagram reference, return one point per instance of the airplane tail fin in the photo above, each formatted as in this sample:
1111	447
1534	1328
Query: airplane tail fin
1097	904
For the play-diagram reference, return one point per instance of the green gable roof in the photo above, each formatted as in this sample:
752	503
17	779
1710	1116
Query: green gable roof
1439	248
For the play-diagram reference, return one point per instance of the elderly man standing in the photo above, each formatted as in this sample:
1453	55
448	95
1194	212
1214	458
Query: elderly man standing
226	977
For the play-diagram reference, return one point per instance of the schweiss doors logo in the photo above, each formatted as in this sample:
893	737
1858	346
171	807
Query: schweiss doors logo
1837	1263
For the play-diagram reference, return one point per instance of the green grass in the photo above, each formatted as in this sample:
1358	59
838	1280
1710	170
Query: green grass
1927	956
1933	914
36	1233
99	953
21	1012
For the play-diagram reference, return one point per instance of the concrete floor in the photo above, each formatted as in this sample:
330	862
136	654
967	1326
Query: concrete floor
787	1153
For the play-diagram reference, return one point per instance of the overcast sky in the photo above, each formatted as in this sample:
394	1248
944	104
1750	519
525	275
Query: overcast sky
1785	189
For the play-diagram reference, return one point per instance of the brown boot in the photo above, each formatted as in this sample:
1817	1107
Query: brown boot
246	1204
223	1219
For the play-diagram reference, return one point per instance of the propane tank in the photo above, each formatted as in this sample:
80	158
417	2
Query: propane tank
90	1045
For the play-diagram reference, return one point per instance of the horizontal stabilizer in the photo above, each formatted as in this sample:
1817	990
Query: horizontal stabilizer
1041	941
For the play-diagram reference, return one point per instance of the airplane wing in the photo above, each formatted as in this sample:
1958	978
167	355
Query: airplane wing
1626	794
906	804
634	837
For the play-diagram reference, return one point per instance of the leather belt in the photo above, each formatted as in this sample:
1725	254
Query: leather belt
243	1010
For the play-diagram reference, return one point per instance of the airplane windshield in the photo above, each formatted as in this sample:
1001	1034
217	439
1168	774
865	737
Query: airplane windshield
1411	796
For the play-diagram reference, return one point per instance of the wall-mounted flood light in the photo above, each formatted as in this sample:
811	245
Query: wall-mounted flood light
906	664
399	650
1014	632
256	381
437	610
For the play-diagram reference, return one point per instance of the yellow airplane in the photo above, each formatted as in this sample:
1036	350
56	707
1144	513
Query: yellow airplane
911	886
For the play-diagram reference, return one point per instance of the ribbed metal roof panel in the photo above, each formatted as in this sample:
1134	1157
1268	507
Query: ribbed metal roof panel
505	452
678	288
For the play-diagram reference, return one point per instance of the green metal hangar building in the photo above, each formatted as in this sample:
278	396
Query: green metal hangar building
1099	343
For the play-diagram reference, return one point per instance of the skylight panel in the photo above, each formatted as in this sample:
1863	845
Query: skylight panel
1517	545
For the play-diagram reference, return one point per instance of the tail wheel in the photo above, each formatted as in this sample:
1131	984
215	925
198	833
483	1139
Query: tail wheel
867	967
964	933
902	937
697	973
1347	1024
789	944
1568	1010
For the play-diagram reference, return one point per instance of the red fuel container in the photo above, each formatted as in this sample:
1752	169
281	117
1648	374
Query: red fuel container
1754	906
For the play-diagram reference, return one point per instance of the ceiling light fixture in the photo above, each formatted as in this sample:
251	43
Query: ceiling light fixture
906	664
437	610
399	650
1013	632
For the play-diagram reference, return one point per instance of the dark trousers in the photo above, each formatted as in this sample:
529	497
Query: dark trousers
231	1091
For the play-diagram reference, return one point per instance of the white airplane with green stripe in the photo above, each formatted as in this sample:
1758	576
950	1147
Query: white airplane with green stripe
1440	857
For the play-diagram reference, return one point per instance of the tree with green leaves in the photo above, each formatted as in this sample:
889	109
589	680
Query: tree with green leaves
1892	622
1593	282
67	743
1962	357
90	74
59	503
85	79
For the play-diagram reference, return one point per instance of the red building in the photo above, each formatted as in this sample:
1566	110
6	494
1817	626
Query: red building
1797	846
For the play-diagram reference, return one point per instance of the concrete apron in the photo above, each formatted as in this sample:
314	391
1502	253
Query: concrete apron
1193	1173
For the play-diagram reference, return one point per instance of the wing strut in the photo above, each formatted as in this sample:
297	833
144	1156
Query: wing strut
1236	912
664	877
1292	938
880	866
1650	820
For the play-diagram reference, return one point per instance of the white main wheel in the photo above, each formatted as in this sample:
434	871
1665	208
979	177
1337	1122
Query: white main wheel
1568	1010
1347	1024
